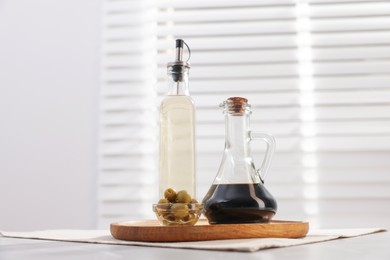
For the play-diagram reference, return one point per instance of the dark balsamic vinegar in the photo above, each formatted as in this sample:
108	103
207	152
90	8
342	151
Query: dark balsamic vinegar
239	203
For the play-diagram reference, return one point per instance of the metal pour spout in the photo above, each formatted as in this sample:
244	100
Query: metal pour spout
178	67
179	50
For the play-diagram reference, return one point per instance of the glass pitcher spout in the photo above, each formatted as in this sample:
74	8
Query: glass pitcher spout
238	194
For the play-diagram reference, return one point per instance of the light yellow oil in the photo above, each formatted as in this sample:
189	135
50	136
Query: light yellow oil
177	144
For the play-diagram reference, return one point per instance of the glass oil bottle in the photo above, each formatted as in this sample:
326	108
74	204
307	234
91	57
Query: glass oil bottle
177	129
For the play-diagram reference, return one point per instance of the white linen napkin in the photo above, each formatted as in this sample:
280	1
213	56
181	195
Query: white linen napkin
243	245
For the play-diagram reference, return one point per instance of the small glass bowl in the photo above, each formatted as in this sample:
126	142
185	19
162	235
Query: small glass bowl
178	214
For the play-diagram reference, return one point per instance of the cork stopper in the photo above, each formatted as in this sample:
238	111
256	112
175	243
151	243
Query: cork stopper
236	105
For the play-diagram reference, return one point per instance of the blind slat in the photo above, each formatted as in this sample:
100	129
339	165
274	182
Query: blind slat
375	8
265	115
228	28
313	144
234	43
339	98
350	39
318	129
197	16
220	4
351	24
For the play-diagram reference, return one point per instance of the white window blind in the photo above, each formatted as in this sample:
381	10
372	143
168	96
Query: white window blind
128	109
317	74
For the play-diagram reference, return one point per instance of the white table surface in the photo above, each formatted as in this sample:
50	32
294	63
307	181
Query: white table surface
373	247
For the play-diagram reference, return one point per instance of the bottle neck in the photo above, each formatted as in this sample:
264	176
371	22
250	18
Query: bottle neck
237	133
178	83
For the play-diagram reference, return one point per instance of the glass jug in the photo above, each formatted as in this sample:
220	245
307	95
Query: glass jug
238	194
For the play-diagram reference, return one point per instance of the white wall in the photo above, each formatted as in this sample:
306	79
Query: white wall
49	88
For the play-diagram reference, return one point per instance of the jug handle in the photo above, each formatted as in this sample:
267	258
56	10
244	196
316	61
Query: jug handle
270	141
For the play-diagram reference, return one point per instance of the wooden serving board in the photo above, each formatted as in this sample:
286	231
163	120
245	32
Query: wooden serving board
151	231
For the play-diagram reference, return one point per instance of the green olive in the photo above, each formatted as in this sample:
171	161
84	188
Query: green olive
183	197
169	223
194	201
190	219
170	194
169	217
163	201
180	210
163	207
166	223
